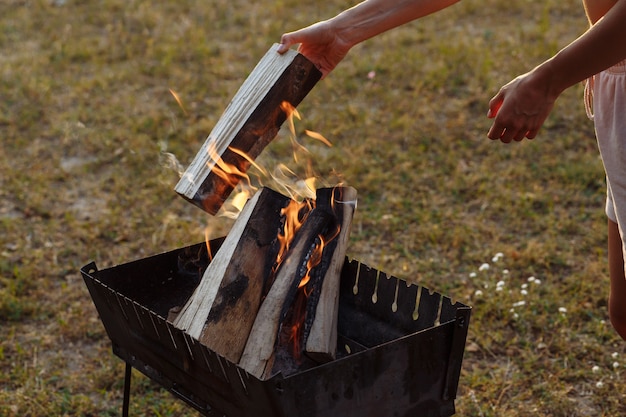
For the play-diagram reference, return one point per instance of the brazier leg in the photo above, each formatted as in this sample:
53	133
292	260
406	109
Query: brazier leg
126	403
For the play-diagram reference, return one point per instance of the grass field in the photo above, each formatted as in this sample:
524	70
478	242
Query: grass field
516	231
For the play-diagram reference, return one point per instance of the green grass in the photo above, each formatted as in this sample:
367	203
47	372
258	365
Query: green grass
86	114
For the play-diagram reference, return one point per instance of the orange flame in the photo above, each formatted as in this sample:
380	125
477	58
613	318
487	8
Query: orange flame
247	158
302	191
178	100
299	307
294	187
207	241
295	214
291	112
314	260
229	173
234	177
319	137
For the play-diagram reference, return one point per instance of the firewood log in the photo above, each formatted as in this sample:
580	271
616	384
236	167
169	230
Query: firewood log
258	355
321	339
249	123
223	307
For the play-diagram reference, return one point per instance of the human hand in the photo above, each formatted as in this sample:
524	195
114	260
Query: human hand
520	108
319	43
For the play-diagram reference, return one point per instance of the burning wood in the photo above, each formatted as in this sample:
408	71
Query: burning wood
249	288
321	340
258	355
221	311
249	123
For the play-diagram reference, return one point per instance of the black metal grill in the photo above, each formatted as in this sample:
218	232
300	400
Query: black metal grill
400	346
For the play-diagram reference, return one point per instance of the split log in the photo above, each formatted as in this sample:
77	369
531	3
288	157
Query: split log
321	339
221	311
245	297
249	123
258	355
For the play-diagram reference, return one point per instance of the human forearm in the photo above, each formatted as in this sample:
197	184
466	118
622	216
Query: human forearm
522	105
327	42
597	49
372	17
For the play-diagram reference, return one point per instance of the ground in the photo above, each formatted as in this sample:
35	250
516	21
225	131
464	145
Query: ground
90	129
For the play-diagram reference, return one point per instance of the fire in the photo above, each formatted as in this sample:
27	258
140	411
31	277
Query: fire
314	260
295	215
299	313
296	326
178	100
291	112
298	187
233	176
228	172
207	241
319	137
302	191
297	147
247	158
291	185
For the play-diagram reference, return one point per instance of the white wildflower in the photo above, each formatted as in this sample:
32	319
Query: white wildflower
595	369
519	303
484	267
614	355
534	280
472	275
478	293
599	384
615	365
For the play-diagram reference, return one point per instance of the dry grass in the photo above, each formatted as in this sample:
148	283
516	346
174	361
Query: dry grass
86	114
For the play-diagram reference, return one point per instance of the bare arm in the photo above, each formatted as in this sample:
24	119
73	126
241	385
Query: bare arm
373	17
326	43
521	106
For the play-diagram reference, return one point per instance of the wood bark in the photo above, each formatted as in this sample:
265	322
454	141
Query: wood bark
249	123
321	339
258	355
221	311
246	300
